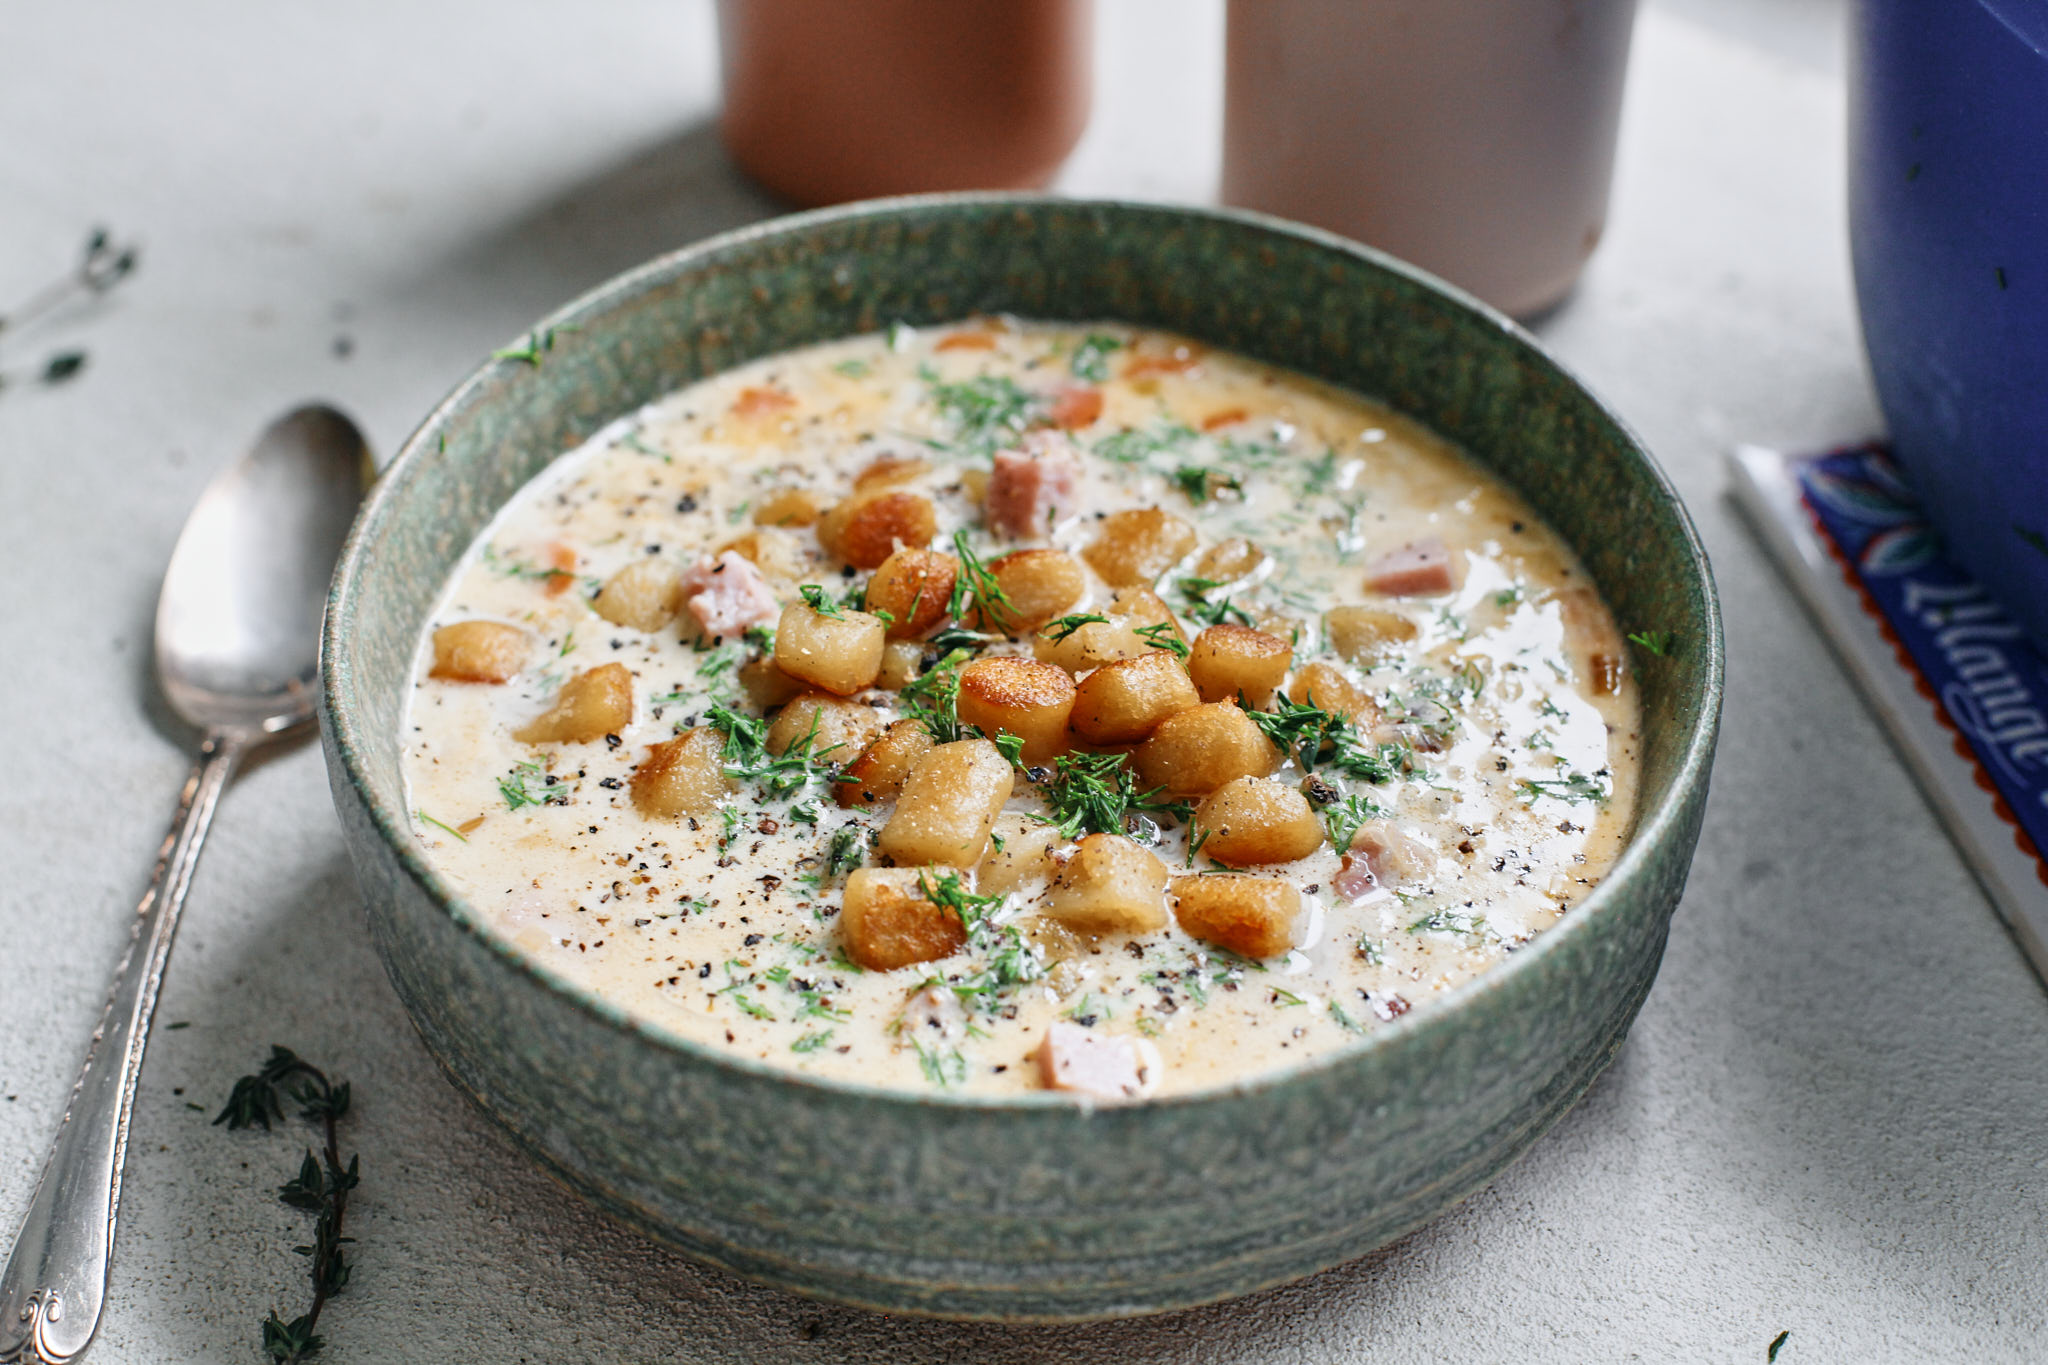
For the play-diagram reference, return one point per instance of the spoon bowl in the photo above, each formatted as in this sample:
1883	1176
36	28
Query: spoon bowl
237	654
237	624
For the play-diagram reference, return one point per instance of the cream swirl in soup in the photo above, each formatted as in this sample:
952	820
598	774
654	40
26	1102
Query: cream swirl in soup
1013	706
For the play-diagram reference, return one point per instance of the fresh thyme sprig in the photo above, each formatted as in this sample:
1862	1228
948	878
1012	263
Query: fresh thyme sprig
102	265
320	1188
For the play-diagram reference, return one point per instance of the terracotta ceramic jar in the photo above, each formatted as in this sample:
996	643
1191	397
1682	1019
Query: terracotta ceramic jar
1474	138
827	100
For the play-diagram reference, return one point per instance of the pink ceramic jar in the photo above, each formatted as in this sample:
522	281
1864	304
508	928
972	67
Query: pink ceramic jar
1474	138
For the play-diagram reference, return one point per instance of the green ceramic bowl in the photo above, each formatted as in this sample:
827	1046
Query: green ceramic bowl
1026	1207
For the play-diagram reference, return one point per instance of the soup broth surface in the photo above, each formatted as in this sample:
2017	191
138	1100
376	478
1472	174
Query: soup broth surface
1448	724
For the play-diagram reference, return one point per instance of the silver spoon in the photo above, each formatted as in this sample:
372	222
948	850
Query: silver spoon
237	655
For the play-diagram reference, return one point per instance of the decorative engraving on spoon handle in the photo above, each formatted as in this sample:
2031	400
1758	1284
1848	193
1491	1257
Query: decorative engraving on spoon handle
56	1277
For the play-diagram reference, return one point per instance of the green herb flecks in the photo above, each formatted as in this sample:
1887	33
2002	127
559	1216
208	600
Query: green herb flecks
536	346
321	1187
440	825
1345	818
1133	446
1098	794
932	698
1657	642
1573	789
1203	482
1060	629
985	413
529	784
1199	607
1006	961
737	985
1164	635
747	759
852	369
519	568
976	589
812	1041
1090	361
845	852
815	598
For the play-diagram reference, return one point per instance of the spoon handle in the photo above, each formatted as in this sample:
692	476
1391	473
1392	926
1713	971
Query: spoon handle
56	1278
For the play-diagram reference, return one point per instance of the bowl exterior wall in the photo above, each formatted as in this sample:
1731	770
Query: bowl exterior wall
1025	1209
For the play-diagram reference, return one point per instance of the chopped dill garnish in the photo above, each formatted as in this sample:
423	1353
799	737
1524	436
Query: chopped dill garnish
1164	635
1202	482
975	586
1573	789
815	598
987	412
1344	820
1060	629
852	369
1090	360
1199	608
439	825
1658	642
1098	792
747	758
932	698
845	852
1011	747
1132	446
1343	1020
529	784
811	1042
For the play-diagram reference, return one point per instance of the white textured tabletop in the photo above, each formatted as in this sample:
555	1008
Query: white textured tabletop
1831	1118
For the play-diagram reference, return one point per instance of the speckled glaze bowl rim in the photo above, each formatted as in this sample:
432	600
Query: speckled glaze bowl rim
1653	828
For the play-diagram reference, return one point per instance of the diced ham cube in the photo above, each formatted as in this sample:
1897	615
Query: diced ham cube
1073	409
1388	856
1099	1065
1033	485
1421	568
1355	879
728	594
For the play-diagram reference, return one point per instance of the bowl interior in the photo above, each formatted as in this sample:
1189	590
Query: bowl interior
1282	294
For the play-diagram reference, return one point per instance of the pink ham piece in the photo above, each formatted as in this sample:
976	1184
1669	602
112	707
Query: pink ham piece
1033	485
1381	855
1099	1065
1420	568
728	594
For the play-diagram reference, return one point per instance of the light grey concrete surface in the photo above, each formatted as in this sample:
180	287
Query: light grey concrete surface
1831	1119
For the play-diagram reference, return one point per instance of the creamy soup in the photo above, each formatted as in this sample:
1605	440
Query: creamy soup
1014	706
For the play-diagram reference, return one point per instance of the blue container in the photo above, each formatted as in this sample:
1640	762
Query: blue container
1948	222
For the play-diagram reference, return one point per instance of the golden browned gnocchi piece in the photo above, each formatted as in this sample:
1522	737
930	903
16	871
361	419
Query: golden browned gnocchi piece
879	771
889	470
888	922
766	685
840	651
913	586
1253	917
591	705
1123	702
1037	586
645	595
838	729
1229	661
1326	686
1255	820
790	507
1135	547
865	529
1363	634
1198	750
949	803
682	776
1229	561
1021	697
1109	885
1019	855
479	651
902	661
1136	623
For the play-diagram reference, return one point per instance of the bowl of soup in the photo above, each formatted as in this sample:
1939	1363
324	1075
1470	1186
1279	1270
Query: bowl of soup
1022	759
